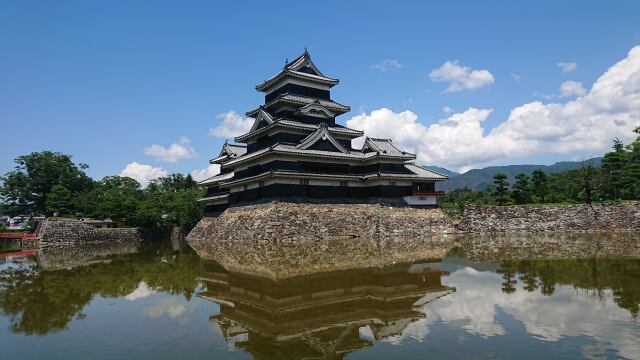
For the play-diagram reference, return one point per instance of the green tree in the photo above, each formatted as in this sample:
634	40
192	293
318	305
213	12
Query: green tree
187	208
25	189
59	200
521	189
539	185
613	166
170	201
631	173
501	189
172	183
114	197
589	181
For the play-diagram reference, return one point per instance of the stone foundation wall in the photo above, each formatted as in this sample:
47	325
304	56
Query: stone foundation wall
297	221
64	232
550	218
303	237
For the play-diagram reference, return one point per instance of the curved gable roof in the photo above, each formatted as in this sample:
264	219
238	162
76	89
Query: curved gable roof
322	134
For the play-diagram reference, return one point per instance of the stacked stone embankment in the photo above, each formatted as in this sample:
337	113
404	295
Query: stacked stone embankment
283	220
64	232
281	239
550	218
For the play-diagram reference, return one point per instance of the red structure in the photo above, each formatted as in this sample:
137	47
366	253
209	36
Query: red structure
18	236
18	254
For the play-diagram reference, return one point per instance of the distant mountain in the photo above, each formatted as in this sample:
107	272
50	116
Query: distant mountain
443	171
478	179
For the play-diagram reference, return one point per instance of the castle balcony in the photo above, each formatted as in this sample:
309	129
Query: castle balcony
425	193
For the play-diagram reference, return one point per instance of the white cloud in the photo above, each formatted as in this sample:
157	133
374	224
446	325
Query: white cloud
447	110
571	88
387	64
171	307
401	127
232	125
174	153
142	291
143	173
515	77
611	108
478	296
203	174
461	77
567	66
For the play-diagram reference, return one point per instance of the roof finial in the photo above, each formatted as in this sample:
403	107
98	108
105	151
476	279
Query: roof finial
305	50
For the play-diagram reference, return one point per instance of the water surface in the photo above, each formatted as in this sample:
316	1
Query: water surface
161	303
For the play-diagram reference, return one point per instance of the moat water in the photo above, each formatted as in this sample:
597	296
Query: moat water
160	301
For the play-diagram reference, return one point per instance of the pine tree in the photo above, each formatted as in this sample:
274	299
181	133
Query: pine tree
539	185
589	181
500	191
613	166
521	189
631	172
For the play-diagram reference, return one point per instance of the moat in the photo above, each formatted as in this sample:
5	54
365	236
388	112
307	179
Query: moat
453	300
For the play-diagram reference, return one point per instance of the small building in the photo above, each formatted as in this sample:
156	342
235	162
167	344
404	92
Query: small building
296	149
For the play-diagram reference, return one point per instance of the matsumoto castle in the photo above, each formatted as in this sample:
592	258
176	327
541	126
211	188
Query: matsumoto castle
296	150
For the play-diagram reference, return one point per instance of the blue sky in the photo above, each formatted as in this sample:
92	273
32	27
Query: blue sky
104	81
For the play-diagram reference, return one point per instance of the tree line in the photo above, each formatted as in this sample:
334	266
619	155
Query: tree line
51	183
617	179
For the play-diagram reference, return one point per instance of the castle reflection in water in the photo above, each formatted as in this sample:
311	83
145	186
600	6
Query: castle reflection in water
321	315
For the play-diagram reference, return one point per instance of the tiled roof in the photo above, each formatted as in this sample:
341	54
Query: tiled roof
296	75
294	124
302	61
329	104
293	150
420	171
229	151
293	69
261	115
322	134
334	129
237	150
302	100
213	198
216	178
384	146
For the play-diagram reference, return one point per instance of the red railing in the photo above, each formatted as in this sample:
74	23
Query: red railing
436	193
18	254
18	236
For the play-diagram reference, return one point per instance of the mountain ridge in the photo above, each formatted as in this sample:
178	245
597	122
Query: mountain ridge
478	179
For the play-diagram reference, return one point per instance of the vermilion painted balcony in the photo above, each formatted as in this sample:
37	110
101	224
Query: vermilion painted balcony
424	192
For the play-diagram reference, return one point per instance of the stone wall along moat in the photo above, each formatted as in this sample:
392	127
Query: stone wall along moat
551	218
66	232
